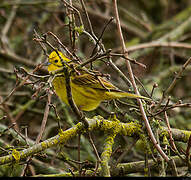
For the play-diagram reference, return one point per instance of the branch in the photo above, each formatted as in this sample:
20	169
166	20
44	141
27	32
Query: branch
98	122
63	136
157	146
121	169
134	167
105	156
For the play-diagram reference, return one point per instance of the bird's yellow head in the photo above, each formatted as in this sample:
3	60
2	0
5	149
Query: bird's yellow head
54	61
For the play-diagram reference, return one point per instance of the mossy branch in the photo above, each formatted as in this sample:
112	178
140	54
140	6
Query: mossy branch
122	168
105	156
97	122
63	136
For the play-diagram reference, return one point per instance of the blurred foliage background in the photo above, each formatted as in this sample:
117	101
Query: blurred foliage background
157	34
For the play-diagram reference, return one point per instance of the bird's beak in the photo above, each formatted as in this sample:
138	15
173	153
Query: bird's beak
46	63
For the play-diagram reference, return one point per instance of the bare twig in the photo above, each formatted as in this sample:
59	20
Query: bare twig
129	59
79	165
88	19
60	43
135	87
11	56
101	37
124	153
20	84
43	125
170	132
179	74
46	112
95	151
157	44
173	83
155	85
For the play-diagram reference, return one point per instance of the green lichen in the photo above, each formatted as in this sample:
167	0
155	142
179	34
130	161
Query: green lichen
79	29
80	128
133	128
106	125
146	170
115	126
164	133
65	135
113	117
145	144
165	140
16	155
186	135
44	145
105	156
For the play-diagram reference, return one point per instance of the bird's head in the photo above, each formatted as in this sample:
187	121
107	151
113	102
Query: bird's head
54	61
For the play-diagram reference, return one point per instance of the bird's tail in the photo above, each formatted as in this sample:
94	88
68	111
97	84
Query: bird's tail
114	95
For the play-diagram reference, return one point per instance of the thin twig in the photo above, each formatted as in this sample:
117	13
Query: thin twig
169	131
125	153
179	74
135	87
79	159
44	121
20	84
88	19
101	37
96	152
75	9
155	85
157	44
59	42
129	59
43	125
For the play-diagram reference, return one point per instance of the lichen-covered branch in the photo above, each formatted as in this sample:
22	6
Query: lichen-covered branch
98	122
105	156
63	136
122	168
133	167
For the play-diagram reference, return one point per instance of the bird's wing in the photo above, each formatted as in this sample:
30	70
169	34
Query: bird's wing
92	81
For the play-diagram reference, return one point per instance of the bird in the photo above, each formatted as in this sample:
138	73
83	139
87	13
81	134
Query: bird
88	89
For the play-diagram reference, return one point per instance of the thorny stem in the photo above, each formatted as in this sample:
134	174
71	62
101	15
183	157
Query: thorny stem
135	87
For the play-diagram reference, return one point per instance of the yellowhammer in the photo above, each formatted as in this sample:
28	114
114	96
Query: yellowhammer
88	90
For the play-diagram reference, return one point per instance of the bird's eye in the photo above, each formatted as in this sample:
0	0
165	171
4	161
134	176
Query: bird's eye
56	61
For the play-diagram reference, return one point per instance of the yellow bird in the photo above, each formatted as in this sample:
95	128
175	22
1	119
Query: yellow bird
88	90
